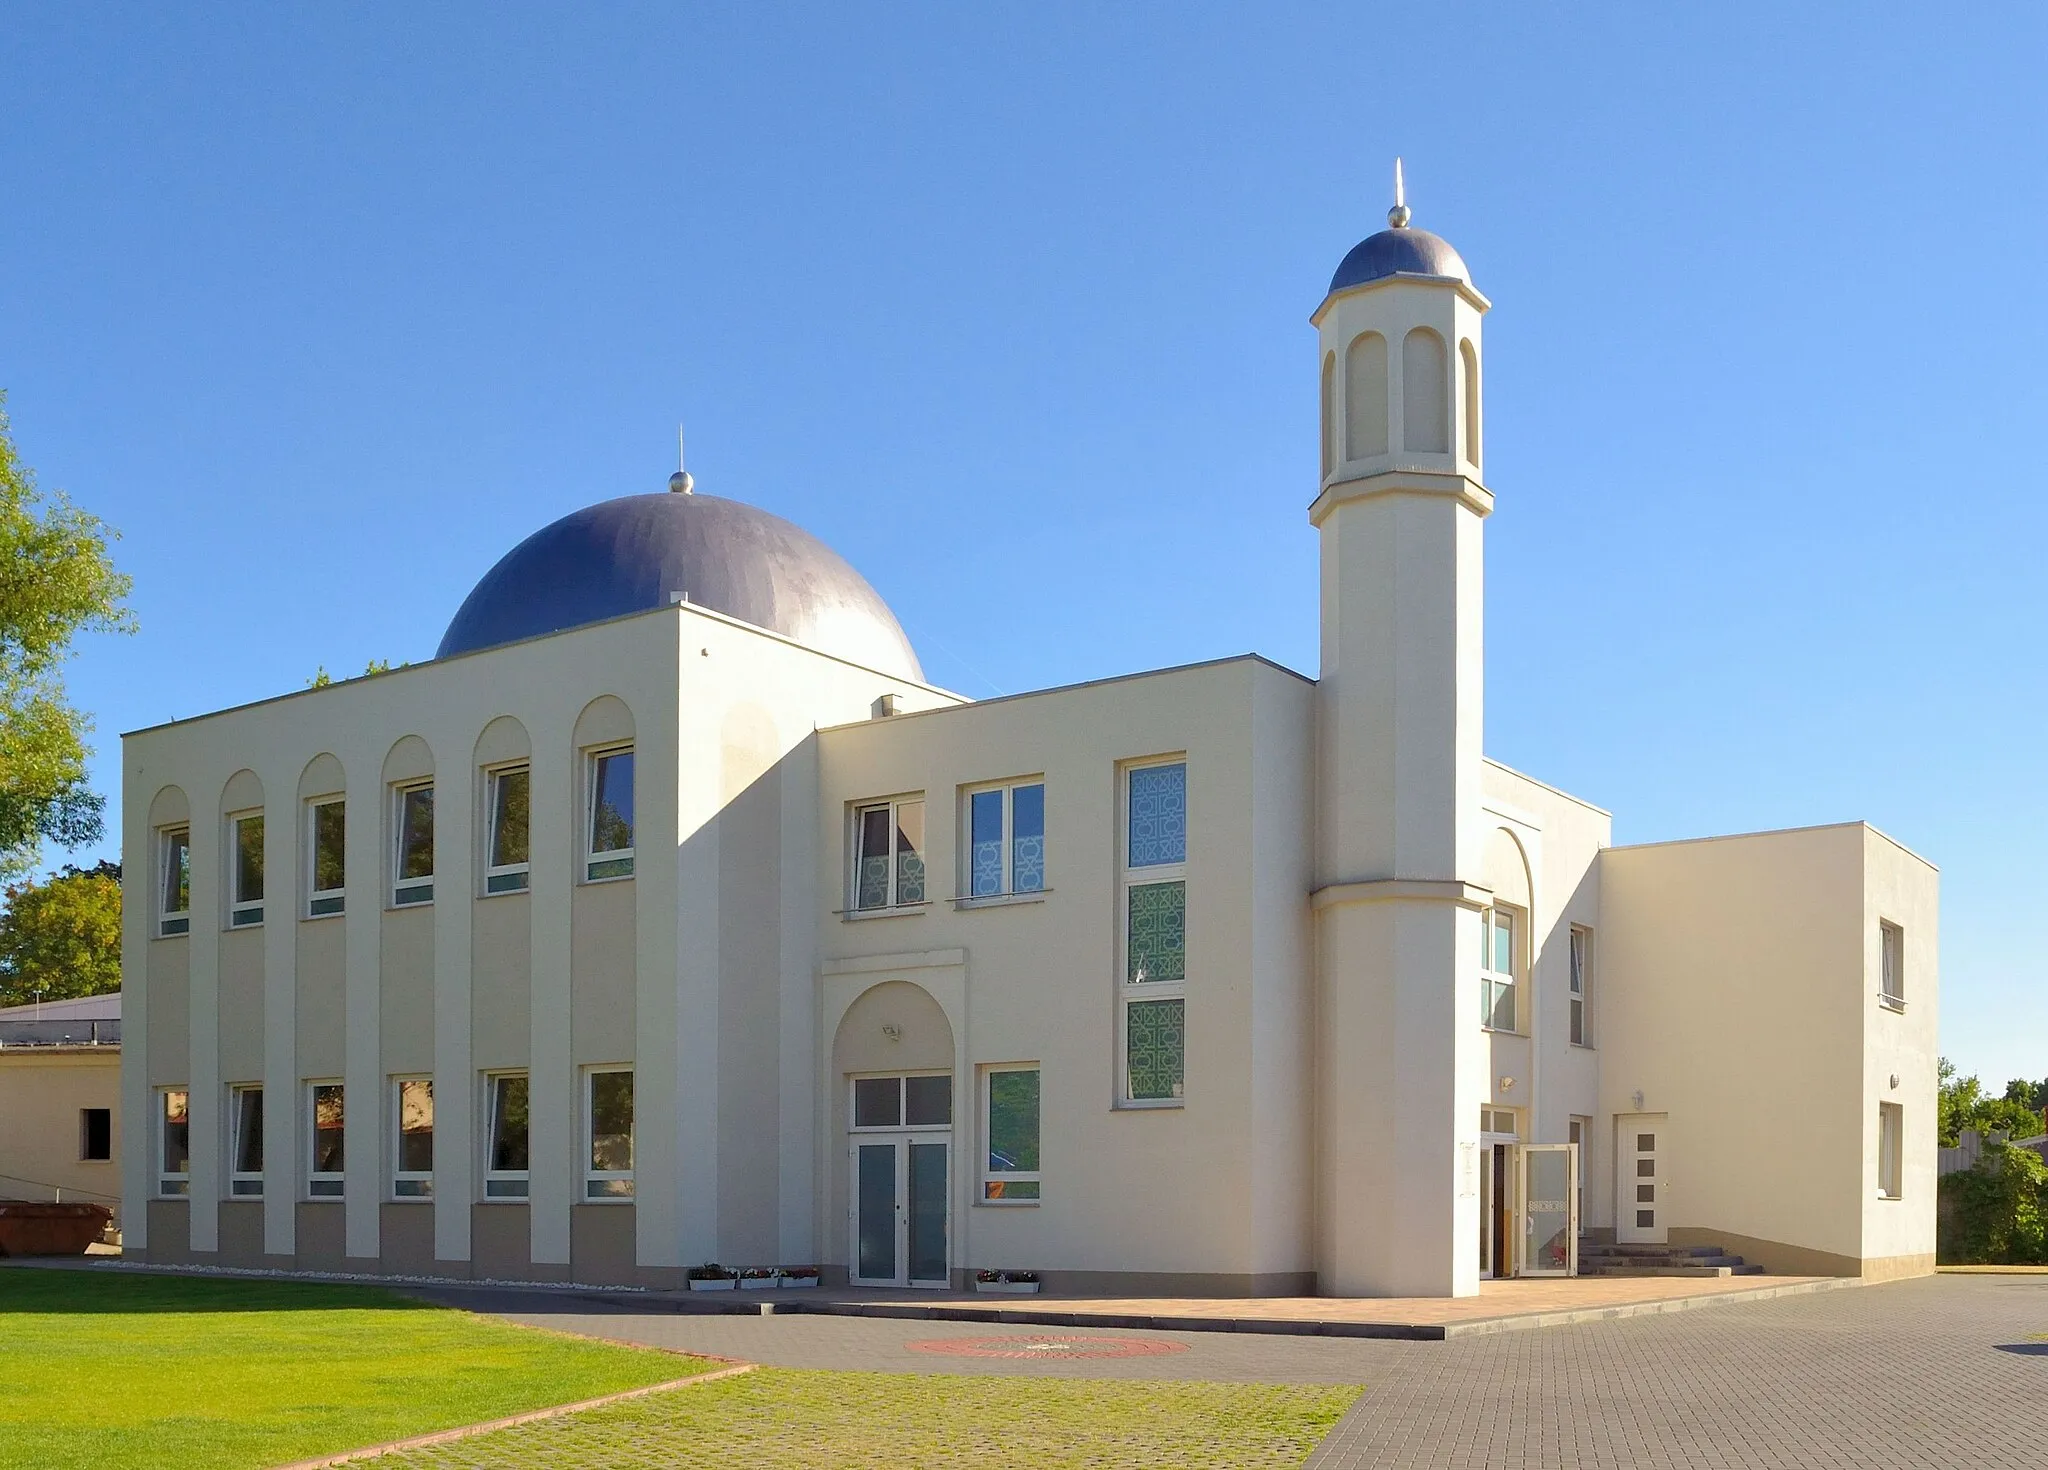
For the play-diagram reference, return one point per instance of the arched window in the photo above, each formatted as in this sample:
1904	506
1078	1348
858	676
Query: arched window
1329	412
1365	396
1425	394
1470	361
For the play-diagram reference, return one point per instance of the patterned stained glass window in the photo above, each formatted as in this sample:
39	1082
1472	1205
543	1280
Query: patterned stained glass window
1027	839
1155	1048
1159	815
985	843
910	852
1006	840
888	862
1157	947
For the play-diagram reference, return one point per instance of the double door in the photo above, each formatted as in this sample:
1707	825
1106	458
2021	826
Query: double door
901	1185
1529	1209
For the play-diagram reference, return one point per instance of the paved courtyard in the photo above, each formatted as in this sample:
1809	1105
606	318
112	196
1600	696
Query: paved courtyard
1944	1371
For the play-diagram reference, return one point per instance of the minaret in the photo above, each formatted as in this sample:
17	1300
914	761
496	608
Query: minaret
1401	1060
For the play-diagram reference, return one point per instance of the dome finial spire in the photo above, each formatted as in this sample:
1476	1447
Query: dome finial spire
681	482
1398	216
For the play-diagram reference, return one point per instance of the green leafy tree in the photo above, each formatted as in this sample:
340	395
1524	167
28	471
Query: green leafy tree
62	937
321	678
1997	1213
1963	1103
2028	1094
56	581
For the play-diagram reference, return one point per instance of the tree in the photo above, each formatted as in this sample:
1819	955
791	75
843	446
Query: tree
62	937
56	581
321	678
2028	1094
1963	1103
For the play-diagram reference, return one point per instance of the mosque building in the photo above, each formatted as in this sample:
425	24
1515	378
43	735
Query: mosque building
1212	980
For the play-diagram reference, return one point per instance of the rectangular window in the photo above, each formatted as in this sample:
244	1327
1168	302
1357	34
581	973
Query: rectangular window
611	816
608	1116
1153	908
174	886
1010	1118
888	862
1891	944
1581	979
1005	845
505	864
412	866
412	1145
1498	956
918	1100
505	1158
174	1141
245	870
245	1140
95	1135
1891	1131
1500	1121
324	1158
327	830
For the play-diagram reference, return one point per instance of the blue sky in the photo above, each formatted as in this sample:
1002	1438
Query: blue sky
326	307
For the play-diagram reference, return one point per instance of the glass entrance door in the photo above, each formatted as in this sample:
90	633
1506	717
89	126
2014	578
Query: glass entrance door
1549	1210
901	1188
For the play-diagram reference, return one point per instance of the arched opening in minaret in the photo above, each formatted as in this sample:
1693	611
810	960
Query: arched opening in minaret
1470	361
1365	396
1329	413
1425	394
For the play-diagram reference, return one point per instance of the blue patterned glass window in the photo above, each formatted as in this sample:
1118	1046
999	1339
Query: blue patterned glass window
1006	841
888	861
985	843
1027	840
1159	815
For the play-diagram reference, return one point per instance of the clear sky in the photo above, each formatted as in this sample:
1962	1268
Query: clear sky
326	307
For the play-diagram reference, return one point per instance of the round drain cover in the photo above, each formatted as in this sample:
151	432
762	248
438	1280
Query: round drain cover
1048	1346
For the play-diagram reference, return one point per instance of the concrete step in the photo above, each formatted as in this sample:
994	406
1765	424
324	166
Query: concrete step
1686	1272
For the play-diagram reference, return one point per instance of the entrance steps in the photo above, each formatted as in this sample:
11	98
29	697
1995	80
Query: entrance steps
1661	1260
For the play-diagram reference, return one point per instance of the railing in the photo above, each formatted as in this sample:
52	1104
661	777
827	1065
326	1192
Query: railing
60	1033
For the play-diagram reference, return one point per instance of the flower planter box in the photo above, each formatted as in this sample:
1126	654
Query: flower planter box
725	1285
43	1228
1008	1288
757	1283
797	1283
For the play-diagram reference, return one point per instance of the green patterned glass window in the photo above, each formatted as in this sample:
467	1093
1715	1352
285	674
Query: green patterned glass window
1155	1047
1157	947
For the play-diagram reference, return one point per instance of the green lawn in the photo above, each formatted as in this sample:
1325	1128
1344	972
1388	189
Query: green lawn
109	1371
783	1419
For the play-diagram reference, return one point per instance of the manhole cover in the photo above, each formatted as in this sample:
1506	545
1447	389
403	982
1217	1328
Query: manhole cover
1053	1346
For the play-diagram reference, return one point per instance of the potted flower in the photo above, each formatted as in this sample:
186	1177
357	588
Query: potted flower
1013	1283
795	1276
712	1277
757	1278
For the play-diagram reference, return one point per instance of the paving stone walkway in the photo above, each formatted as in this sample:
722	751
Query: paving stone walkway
1938	1372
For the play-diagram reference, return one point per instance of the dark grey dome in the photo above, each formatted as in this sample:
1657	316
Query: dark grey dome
643	551
1398	253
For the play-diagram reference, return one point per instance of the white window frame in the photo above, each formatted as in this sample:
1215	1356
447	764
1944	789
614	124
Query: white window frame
512	877
1580	984
902	1081
1129	991
896	904
409	1186
243	1183
1491	981
172	1184
1002	1178
1891	962
171	922
1891	1151
1578	1132
328	1184
406	892
1007	891
324	903
593	859
1491	1117
243	912
603	1186
502	1185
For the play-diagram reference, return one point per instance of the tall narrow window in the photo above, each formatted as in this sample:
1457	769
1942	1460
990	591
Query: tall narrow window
1365	397
888	863
174	1141
1891	1135
505	865
412	867
95	1135
245	1140
505	1161
1497	956
245	872
174	890
608	1119
611	816
412	1148
324	1158
1153	989
1010	1172
1006	840
328	830
1581	981
1891	944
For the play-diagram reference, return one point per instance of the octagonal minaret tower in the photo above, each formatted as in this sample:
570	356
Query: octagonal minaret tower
1401	512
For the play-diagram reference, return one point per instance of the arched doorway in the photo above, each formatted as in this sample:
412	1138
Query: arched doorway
893	1056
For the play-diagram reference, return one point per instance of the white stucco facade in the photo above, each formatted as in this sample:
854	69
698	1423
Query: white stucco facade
1262	985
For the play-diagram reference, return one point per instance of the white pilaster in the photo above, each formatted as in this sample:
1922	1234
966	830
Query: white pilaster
554	1107
284	1129
455	1090
208	1130
363	1101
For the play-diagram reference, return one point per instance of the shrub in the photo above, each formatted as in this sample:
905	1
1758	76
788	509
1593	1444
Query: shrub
1997	1213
